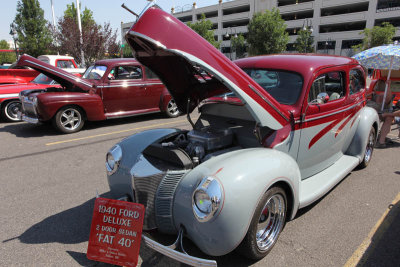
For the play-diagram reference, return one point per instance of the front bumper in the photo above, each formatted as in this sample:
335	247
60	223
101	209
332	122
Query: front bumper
176	255
28	119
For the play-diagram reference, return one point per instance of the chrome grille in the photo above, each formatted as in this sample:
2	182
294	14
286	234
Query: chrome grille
29	109
164	200
145	190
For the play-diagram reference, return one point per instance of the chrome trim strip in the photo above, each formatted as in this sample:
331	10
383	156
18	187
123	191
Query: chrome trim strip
75	78
268	102
129	84
133	33
8	95
331	114
176	255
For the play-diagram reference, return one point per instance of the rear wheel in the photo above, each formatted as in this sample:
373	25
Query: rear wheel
172	110
266	225
9	110
69	120
369	148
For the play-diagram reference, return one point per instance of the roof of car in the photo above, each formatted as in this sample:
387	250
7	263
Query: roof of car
116	61
301	63
55	57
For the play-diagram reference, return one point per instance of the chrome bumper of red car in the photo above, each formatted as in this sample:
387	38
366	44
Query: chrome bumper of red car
178	256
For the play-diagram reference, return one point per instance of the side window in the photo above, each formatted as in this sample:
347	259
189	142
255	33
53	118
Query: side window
356	81
149	74
328	85
65	64
127	73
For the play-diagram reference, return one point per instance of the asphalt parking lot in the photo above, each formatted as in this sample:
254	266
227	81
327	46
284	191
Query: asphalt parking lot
49	182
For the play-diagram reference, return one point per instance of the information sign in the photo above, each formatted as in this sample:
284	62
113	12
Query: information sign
116	232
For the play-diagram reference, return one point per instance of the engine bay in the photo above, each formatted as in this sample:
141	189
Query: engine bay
215	132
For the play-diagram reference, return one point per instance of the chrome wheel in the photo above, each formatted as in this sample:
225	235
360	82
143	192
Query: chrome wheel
271	221
11	109
267	223
172	109
69	119
369	149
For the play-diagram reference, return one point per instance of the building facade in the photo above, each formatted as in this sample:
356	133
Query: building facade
336	24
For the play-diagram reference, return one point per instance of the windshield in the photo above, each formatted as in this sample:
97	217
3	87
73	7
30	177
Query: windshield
94	72
284	86
43	79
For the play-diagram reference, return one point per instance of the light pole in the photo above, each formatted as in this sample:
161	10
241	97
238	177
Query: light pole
327	43
13	32
230	41
78	13
307	26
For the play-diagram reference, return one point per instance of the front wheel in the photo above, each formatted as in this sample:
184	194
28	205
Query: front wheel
369	148
266	225
172	110
69	120
9	110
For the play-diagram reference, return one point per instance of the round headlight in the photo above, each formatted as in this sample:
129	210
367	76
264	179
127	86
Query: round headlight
207	199
113	159
202	201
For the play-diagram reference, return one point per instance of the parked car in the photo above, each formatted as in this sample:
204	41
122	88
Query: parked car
378	84
247	166
20	74
10	104
108	89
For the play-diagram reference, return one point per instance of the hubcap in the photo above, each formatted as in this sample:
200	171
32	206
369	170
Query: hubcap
12	110
70	119
370	147
270	222
172	108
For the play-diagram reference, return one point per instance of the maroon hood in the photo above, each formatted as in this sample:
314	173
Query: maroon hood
64	78
179	56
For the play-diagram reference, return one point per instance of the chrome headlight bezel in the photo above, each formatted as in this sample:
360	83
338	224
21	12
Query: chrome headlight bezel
113	159
211	188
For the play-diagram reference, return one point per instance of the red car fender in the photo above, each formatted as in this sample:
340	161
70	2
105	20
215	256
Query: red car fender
50	103
164	99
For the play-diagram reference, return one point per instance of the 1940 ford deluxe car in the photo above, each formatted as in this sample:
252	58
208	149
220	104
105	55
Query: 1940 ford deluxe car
295	126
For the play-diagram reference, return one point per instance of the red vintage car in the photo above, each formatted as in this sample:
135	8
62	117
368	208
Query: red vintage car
378	84
10	104
25	75
108	89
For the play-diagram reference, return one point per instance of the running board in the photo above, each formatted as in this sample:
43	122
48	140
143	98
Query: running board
318	185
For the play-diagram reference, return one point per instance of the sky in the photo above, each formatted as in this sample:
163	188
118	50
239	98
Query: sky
103	11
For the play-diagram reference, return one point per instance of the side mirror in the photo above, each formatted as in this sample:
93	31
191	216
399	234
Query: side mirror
323	97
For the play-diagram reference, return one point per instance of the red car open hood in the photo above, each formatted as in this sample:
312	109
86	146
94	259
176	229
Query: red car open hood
64	78
178	55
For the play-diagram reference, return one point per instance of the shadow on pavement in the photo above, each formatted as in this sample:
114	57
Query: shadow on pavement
72	226
384	249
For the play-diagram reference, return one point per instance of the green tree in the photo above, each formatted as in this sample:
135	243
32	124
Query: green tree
267	33
6	57
239	45
378	35
204	28
34	37
86	15
304	42
127	51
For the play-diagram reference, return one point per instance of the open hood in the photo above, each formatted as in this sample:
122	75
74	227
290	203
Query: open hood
193	69
64	78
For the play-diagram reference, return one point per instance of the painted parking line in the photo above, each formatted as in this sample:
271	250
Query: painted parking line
359	253
111	133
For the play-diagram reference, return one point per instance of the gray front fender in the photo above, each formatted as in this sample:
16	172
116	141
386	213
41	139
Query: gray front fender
132	147
245	176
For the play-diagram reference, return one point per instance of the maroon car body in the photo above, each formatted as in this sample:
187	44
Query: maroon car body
108	89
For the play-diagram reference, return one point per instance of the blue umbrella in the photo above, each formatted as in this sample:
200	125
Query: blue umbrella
381	57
